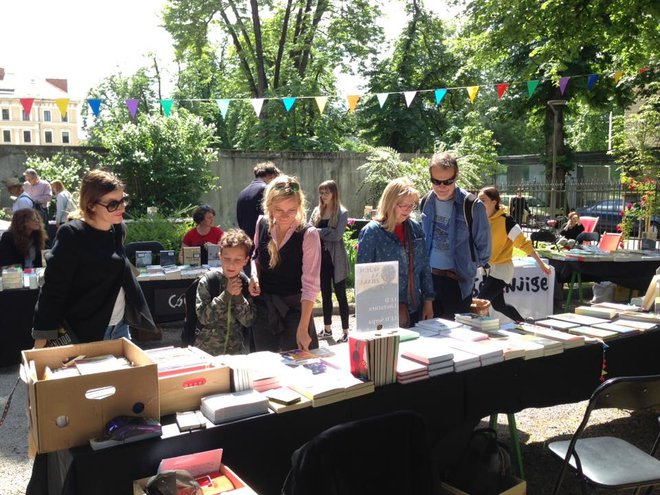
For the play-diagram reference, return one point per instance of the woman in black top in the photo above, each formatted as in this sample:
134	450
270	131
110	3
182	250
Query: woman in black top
23	242
89	287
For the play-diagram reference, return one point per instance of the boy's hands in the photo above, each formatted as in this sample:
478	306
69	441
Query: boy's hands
234	286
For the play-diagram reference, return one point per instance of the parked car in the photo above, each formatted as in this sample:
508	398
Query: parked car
609	212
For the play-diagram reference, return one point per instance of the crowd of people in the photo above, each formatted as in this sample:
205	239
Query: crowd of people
273	266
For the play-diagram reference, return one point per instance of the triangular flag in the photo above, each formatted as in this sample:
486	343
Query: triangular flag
501	89
167	106
617	76
288	102
439	95
472	92
381	98
643	69
257	104
409	96
320	102
563	83
132	105
27	105
352	102
223	105
591	81
63	105
95	105
531	87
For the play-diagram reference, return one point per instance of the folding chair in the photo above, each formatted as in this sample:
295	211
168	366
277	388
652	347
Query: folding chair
589	223
606	461
610	241
587	237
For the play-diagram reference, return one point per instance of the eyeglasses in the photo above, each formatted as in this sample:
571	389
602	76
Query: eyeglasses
407	206
293	187
114	204
447	182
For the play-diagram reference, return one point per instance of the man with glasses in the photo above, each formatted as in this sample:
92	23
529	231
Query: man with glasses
454	251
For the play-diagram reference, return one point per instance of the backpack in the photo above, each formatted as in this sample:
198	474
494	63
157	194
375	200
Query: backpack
190	323
468	212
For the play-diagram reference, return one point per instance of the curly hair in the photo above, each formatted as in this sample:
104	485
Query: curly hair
236	238
24	236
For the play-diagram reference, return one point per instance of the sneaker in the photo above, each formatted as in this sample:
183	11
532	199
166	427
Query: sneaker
342	339
325	334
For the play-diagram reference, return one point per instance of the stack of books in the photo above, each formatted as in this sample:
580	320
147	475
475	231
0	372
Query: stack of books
568	340
597	311
220	408
408	370
487	353
483	323
12	277
325	384
373	356
435	326
596	333
431	352
639	316
578	319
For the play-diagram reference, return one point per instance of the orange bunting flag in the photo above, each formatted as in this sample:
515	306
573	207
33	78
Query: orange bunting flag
63	105
352	102
617	76
27	105
257	104
501	89
321	102
472	92
409	96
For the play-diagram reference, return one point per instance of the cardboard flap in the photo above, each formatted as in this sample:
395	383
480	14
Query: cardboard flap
198	464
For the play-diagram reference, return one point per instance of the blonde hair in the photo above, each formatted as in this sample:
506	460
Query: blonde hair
393	193
281	188
333	205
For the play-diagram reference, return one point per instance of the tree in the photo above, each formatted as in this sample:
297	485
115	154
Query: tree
163	160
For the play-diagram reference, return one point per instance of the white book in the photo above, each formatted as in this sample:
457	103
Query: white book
578	319
617	327
220	408
642	325
557	324
598	333
427	350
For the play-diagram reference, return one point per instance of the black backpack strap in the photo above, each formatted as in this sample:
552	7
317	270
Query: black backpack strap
424	199
468	212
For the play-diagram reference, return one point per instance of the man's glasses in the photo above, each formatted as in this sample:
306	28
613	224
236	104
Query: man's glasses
293	187
407	206
447	182
114	204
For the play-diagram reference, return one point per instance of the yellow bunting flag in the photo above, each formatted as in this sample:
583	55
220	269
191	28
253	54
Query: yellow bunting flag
472	92
617	76
352	102
320	102
63	105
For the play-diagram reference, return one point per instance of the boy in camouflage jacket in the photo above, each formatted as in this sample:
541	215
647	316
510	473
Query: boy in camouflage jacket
224	318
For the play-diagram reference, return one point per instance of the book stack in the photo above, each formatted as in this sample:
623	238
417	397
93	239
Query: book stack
533	346
285	399
241	378
637	316
615	326
639	325
142	258
483	349
597	311
568	340
433	353
326	384
373	356
509	350
172	272
597	333
408	370
578	319
435	326
220	408
177	360
483	323
12	277
167	257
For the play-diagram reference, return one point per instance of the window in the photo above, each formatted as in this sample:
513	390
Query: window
65	118
6	136
27	136
47	116
5	114
65	137
25	115
48	137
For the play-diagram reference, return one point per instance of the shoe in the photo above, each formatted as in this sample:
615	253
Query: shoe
325	334
342	339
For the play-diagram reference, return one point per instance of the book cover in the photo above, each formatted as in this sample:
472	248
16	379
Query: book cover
358	348
192	255
214	255
376	296
167	257
142	259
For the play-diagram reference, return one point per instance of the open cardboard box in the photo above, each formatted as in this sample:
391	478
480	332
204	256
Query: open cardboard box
206	465
67	412
184	392
519	487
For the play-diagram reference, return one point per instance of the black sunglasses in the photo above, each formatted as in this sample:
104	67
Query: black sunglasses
447	182
292	186
114	204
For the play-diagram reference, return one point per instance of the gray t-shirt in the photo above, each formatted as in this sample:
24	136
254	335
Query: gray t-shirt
441	252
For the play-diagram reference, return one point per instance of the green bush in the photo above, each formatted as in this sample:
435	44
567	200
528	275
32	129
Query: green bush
351	250
158	228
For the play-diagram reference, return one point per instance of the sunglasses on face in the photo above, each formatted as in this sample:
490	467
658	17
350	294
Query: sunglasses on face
293	187
114	204
439	182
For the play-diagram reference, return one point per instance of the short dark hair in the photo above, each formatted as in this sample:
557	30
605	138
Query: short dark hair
493	194
443	160
200	212
236	238
264	169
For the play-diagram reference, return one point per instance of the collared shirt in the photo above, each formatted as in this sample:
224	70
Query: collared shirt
40	192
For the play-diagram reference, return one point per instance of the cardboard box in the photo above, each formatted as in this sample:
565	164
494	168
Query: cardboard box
519	488
184	392
67	412
198	466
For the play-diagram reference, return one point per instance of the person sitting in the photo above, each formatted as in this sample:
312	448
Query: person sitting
64	202
224	306
571	230
204	233
23	242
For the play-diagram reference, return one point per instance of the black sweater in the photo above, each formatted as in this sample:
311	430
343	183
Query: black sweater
9	255
83	275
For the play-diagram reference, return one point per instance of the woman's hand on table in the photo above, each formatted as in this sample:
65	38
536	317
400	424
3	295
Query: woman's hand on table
427	310
302	338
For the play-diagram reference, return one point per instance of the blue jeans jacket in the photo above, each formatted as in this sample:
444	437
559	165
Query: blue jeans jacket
459	239
377	244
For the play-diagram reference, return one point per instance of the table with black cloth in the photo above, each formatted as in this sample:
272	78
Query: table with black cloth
259	449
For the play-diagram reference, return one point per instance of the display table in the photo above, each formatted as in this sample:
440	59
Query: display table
259	449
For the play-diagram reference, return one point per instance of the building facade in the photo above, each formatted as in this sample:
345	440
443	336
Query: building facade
45	124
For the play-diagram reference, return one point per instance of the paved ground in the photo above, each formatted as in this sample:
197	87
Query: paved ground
536	427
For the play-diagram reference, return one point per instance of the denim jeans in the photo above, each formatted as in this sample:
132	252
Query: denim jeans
117	331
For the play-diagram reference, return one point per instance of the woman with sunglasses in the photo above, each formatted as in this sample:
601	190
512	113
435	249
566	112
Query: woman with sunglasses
90	292
330	218
394	236
286	267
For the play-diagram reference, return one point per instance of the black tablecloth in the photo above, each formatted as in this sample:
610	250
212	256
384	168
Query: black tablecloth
630	274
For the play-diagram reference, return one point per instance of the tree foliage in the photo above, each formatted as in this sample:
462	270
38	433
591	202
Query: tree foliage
68	168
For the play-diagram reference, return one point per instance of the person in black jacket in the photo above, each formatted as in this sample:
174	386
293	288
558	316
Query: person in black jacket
90	292
23	242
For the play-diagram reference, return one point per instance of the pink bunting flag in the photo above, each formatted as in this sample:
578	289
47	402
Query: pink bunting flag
132	105
472	92
501	89
352	102
27	105
563	83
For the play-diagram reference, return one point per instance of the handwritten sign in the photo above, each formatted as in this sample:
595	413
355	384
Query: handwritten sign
376	295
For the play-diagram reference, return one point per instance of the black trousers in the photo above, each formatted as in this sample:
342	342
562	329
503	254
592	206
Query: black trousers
448	298
327	282
493	291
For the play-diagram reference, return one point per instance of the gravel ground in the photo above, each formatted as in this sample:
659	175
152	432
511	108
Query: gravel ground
536	426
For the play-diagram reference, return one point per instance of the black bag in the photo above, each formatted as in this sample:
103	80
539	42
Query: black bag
485	468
